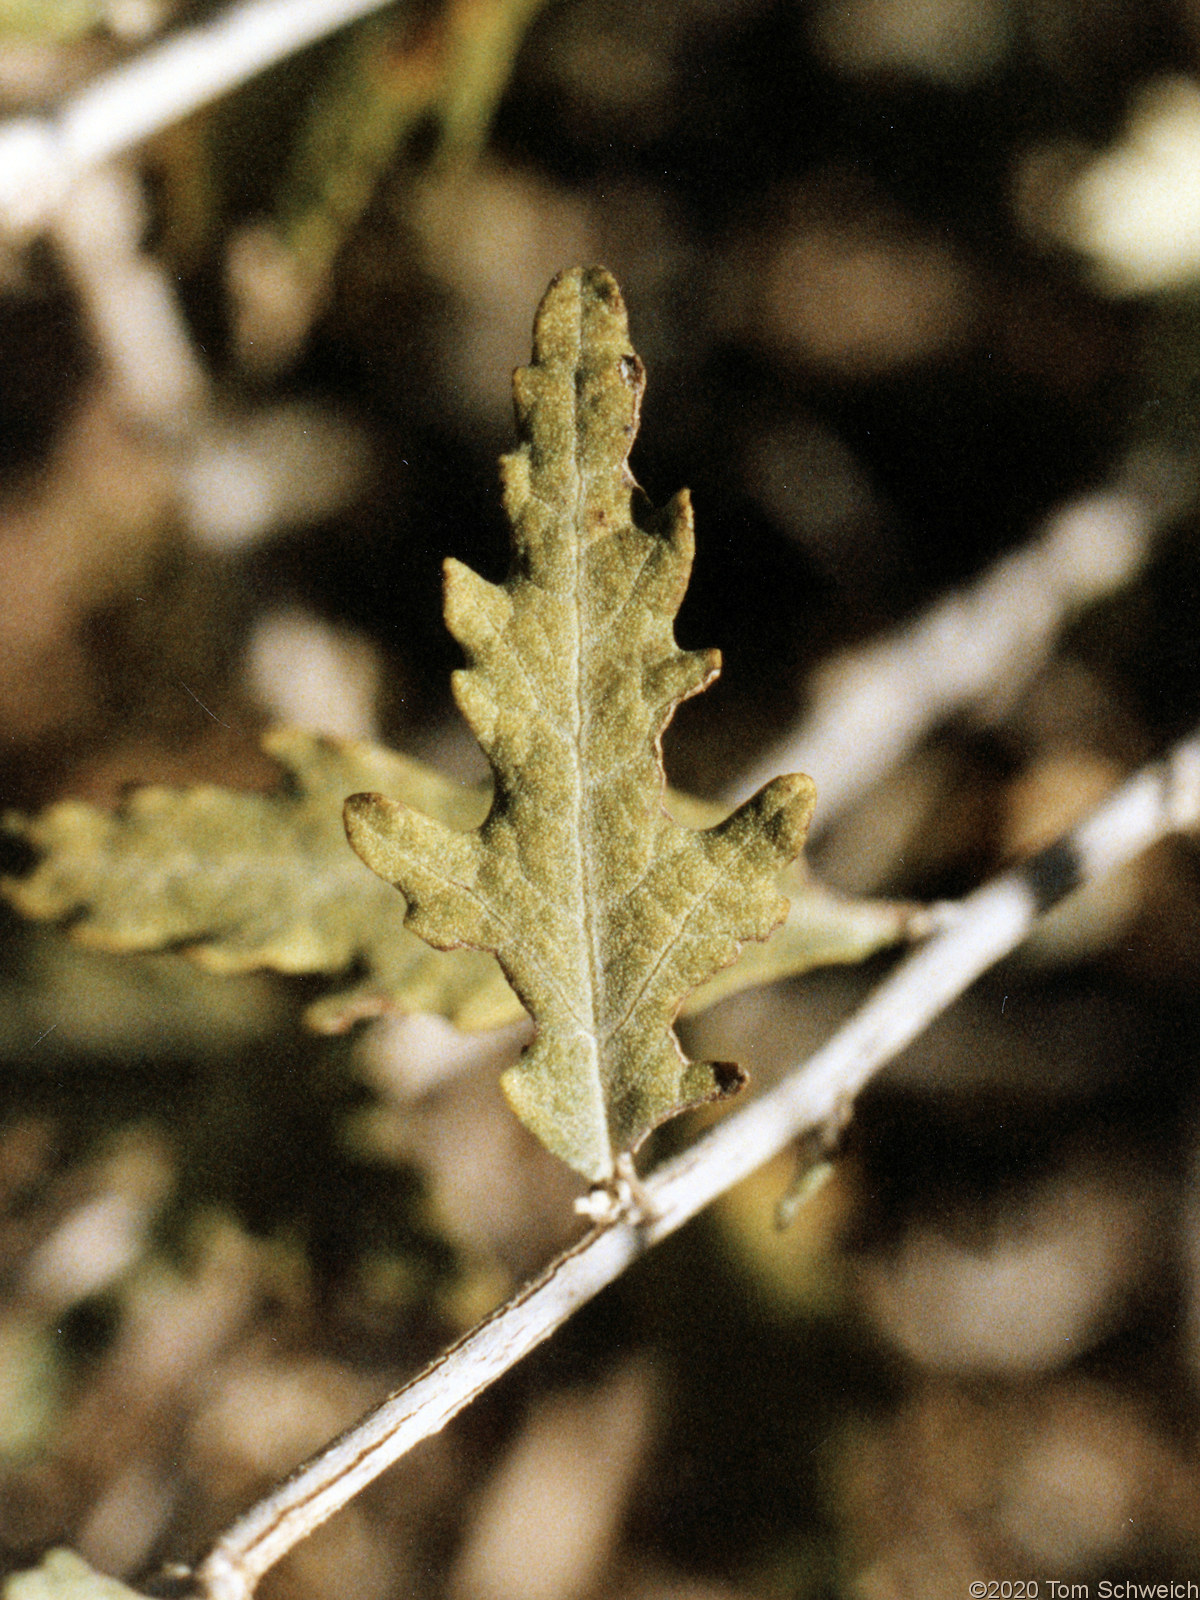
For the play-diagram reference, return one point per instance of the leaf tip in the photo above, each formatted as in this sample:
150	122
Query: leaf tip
785	806
584	307
707	1081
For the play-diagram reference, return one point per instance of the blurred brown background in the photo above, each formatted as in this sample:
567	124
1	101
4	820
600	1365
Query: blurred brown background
910	277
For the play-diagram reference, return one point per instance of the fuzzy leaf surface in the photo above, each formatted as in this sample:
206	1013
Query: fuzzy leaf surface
822	928
245	881
604	912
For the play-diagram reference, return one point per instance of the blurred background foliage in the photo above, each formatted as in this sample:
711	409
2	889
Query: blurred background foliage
907	275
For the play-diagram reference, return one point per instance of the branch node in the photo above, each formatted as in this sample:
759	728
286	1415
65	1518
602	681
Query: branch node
621	1198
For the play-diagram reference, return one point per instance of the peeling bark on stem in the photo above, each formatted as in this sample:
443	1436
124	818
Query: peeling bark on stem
975	933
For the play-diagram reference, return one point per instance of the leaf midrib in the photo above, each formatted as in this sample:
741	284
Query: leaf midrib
592	932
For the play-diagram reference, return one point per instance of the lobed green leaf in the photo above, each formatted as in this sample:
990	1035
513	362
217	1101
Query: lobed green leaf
246	881
611	904
243	881
604	912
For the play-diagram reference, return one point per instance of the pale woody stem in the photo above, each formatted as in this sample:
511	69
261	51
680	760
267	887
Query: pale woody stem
974	933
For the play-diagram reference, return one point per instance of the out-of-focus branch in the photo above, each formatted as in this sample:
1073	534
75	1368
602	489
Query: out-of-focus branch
974	934
975	648
65	174
41	157
130	303
239	478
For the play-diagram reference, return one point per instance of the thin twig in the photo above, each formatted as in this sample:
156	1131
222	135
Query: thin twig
981	644
41	157
238	477
975	933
